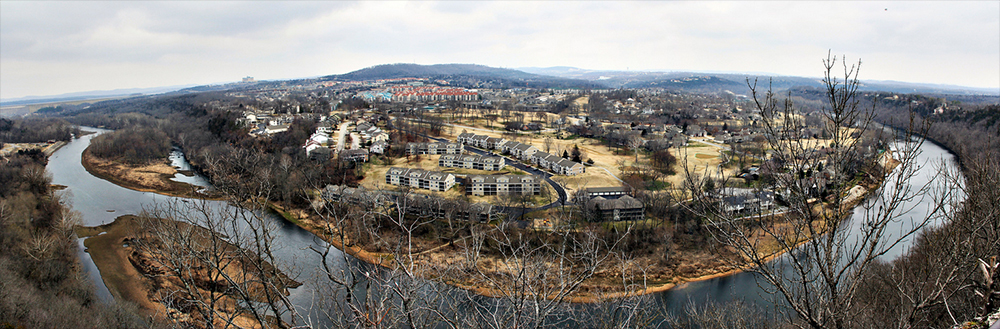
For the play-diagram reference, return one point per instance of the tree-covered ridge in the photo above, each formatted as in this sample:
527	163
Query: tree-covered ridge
470	75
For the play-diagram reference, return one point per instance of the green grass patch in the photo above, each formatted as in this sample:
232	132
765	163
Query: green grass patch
287	216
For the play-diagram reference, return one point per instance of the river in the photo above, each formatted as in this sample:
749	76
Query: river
100	202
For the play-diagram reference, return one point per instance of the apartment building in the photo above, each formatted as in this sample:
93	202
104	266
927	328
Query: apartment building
557	164
503	185
434	148
479	162
622	208
418	178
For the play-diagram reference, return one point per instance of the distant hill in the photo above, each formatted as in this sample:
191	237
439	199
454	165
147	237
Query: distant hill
736	82
87	95
469	75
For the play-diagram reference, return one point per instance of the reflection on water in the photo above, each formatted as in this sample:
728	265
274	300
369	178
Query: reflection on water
177	160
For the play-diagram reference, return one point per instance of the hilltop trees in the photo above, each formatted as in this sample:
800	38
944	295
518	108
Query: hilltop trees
137	145
36	130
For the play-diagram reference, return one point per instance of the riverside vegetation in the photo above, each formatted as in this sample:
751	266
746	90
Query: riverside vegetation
41	282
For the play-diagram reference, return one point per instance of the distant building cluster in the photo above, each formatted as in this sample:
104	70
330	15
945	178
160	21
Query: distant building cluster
417	93
431	93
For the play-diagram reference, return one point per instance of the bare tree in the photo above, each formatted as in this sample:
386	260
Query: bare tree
218	263
826	253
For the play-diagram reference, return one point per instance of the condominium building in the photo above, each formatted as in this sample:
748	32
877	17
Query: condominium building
434	148
502	185
419	178
622	208
557	164
479	162
522	151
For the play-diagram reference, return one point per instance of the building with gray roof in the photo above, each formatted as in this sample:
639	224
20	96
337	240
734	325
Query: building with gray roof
502	185
622	208
434	148
419	178
479	162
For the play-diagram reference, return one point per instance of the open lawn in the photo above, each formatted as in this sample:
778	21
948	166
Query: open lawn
703	160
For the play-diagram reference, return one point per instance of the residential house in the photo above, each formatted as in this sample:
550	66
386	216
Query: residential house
347	194
523	151
430	206
610	192
274	129
478	141
567	167
465	138
378	147
695	131
740	200
494	143
354	155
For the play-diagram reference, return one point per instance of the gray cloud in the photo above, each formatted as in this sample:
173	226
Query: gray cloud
57	47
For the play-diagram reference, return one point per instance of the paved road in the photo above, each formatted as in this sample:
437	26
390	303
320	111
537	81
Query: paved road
340	136
355	141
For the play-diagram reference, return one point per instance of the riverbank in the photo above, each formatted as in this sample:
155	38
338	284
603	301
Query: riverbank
138	274
154	177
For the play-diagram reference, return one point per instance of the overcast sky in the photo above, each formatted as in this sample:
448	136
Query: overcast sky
49	48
